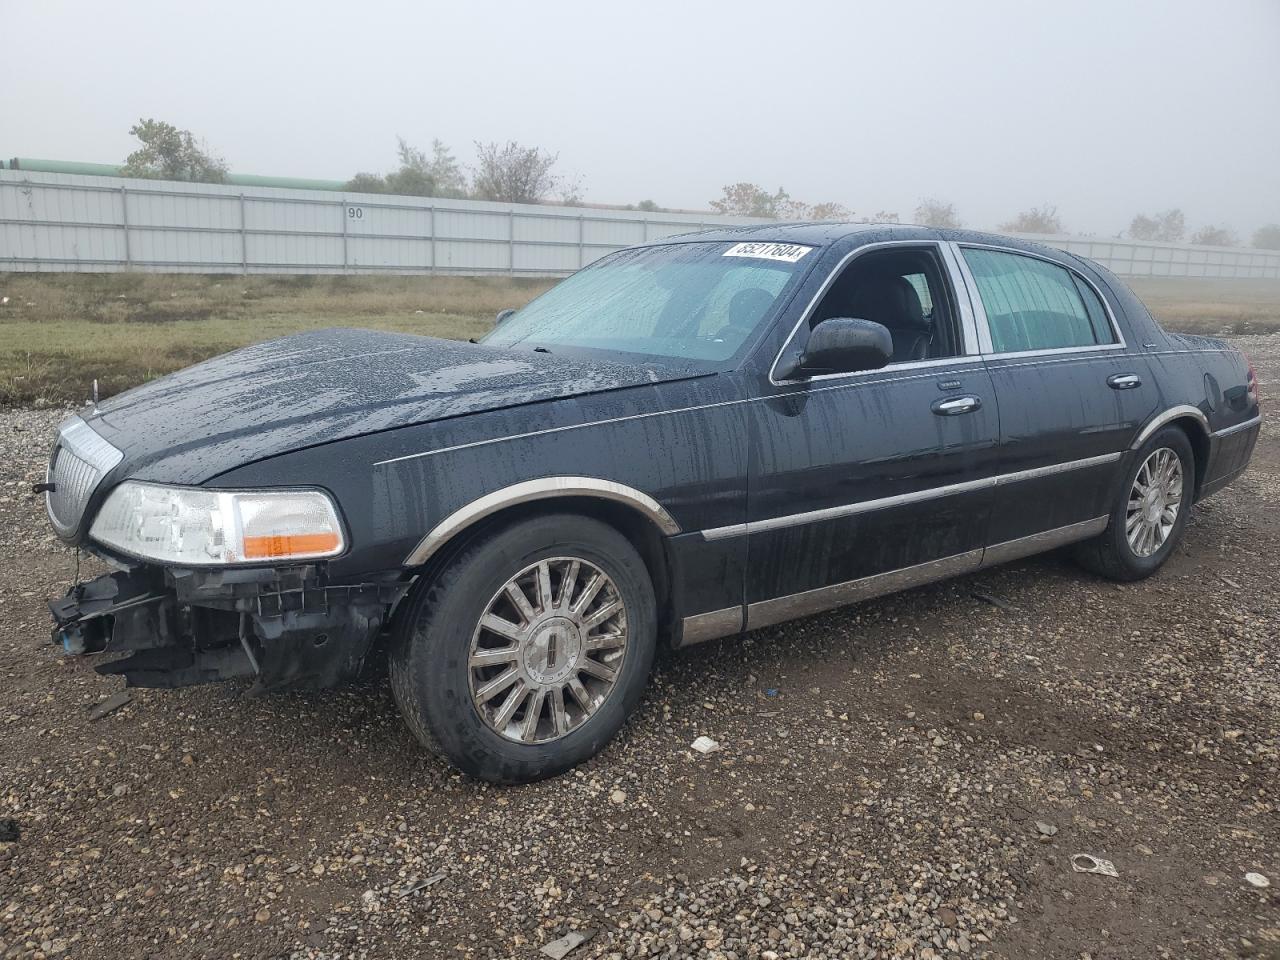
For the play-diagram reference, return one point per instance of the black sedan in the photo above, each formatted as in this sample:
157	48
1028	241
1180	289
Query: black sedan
686	440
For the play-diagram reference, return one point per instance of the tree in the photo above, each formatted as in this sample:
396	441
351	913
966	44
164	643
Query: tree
418	175
1210	236
168	153
751	200
1036	220
1268	237
830	210
513	173
885	216
933	212
648	206
367	183
1166	227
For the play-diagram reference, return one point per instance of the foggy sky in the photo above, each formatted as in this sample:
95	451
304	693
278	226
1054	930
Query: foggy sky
1102	107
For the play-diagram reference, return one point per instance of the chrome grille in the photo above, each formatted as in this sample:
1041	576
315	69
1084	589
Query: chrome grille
80	460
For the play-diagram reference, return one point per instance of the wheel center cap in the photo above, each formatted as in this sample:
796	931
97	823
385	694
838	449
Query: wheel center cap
553	650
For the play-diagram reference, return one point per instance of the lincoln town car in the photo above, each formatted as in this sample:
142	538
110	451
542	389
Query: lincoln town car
686	440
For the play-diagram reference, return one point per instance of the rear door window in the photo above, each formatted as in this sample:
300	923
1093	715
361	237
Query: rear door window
1032	304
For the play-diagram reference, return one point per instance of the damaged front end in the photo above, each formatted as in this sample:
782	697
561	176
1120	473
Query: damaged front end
284	627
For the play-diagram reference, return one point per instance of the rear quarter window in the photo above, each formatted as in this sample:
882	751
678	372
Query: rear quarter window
1032	304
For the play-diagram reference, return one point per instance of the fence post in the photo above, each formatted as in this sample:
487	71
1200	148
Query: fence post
431	225
343	214
124	222
244	239
511	243
582	242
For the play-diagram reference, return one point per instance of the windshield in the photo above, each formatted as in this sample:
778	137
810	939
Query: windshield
694	301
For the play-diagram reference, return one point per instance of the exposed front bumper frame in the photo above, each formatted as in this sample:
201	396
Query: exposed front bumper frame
284	627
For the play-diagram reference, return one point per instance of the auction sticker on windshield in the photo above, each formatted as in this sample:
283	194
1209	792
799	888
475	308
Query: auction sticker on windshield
786	252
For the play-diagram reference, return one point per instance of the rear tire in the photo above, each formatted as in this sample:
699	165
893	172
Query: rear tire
1150	513
508	665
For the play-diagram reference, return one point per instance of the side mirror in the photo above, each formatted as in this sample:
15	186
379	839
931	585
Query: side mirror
842	345
503	316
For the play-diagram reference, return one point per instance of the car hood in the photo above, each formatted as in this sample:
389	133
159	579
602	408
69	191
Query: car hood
314	388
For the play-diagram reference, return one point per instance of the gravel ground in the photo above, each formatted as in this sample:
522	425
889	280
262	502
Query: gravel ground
909	777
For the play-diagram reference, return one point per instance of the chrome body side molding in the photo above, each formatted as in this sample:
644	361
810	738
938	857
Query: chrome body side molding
765	613
1239	427
1173	413
1040	542
542	489
712	625
902	499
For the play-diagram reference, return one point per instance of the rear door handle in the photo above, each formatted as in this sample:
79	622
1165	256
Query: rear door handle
954	406
1124	381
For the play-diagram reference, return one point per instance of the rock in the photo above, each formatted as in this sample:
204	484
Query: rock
618	797
1046	829
705	745
1257	880
559	949
9	831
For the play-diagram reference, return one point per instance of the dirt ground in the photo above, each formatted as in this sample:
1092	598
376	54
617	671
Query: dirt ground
908	777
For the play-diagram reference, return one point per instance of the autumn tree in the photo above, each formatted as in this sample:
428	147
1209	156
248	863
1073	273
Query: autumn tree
1166	227
1036	220
168	153
1268	237
513	173
933	212
1211	236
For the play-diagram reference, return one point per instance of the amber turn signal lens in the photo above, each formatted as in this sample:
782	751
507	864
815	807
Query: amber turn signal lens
304	544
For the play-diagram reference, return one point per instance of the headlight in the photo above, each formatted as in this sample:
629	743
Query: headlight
191	526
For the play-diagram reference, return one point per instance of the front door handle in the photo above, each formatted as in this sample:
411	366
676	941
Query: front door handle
1124	381
954	406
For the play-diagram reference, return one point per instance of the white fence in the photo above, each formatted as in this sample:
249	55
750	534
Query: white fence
67	222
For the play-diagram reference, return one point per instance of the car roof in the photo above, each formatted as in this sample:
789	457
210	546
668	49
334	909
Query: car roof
823	233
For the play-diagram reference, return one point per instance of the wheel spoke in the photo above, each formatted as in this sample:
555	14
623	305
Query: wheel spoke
503	628
510	705
605	641
595	668
515	593
544	586
495	686
601	615
585	700
533	712
589	592
559	719
494	656
567	584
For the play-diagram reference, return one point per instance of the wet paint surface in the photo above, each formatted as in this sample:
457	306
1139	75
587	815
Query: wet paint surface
405	430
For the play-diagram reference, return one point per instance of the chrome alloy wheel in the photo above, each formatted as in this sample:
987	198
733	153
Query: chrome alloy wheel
548	650
1154	502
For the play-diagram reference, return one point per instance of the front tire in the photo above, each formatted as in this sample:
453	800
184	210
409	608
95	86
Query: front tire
1150	513
524	656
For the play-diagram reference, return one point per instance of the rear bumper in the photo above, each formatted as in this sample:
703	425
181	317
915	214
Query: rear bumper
283	628
1229	454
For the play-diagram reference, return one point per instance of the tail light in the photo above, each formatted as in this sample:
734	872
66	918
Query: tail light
1251	385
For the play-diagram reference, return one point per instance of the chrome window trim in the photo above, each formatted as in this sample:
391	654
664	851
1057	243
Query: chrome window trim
1244	425
540	489
903	499
968	330
983	323
1173	413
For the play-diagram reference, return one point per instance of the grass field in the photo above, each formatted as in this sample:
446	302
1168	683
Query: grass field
58	332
